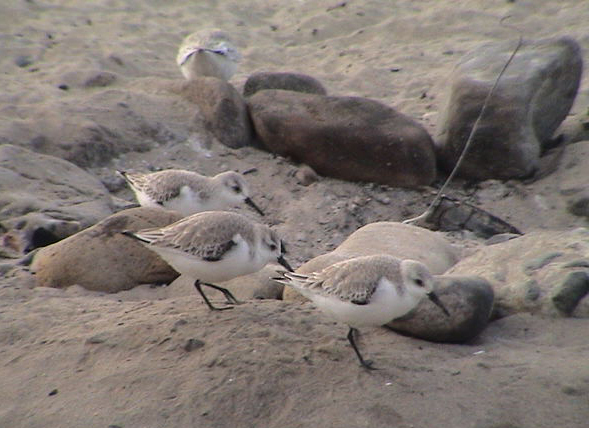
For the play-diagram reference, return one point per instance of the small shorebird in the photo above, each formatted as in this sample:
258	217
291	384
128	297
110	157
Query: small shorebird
207	52
189	192
214	246
366	291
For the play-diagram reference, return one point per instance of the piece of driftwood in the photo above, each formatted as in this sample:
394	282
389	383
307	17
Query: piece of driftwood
450	214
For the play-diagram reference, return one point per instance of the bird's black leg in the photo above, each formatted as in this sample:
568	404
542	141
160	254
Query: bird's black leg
228	295
197	285
365	364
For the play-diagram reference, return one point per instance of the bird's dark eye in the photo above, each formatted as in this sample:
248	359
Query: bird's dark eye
236	189
419	282
273	247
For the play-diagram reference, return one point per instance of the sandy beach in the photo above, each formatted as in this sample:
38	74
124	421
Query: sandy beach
88	82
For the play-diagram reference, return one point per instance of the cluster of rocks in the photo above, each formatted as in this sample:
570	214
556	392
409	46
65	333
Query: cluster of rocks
552	278
350	138
44	199
543	272
359	139
468	299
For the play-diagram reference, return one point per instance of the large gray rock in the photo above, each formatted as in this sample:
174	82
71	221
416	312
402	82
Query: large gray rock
543	272
350	138
100	258
288	81
395	239
44	198
469	301
531	100
223	109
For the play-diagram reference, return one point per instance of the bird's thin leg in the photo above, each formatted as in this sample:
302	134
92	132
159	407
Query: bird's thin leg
197	284
365	364
228	295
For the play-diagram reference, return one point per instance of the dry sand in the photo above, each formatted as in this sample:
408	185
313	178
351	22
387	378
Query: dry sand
158	358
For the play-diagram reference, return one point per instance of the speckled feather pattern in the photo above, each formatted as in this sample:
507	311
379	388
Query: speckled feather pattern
206	235
162	186
353	280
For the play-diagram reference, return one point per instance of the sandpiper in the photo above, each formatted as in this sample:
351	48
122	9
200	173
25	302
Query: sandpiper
366	291
214	246
189	192
208	52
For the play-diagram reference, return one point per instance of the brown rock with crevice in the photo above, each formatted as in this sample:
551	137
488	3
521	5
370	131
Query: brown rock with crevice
100	258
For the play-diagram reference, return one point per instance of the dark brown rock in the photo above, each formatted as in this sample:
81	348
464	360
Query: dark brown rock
287	81
579	204
306	176
350	138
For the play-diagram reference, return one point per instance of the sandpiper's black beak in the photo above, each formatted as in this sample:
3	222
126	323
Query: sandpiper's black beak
254	206
434	298
284	263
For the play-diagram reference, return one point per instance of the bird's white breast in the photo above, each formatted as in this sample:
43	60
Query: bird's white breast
235	262
384	306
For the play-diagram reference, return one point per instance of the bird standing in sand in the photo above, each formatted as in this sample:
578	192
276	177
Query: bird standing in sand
208	52
366	291
214	246
189	192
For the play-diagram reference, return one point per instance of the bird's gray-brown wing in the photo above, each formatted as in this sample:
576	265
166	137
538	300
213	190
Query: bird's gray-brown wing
356	279
207	235
163	185
166	185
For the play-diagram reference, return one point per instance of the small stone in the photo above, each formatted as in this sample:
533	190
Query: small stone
533	291
306	176
97	339
192	344
53	392
540	262
177	324
571	390
100	79
23	61
383	199
579	205
571	291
